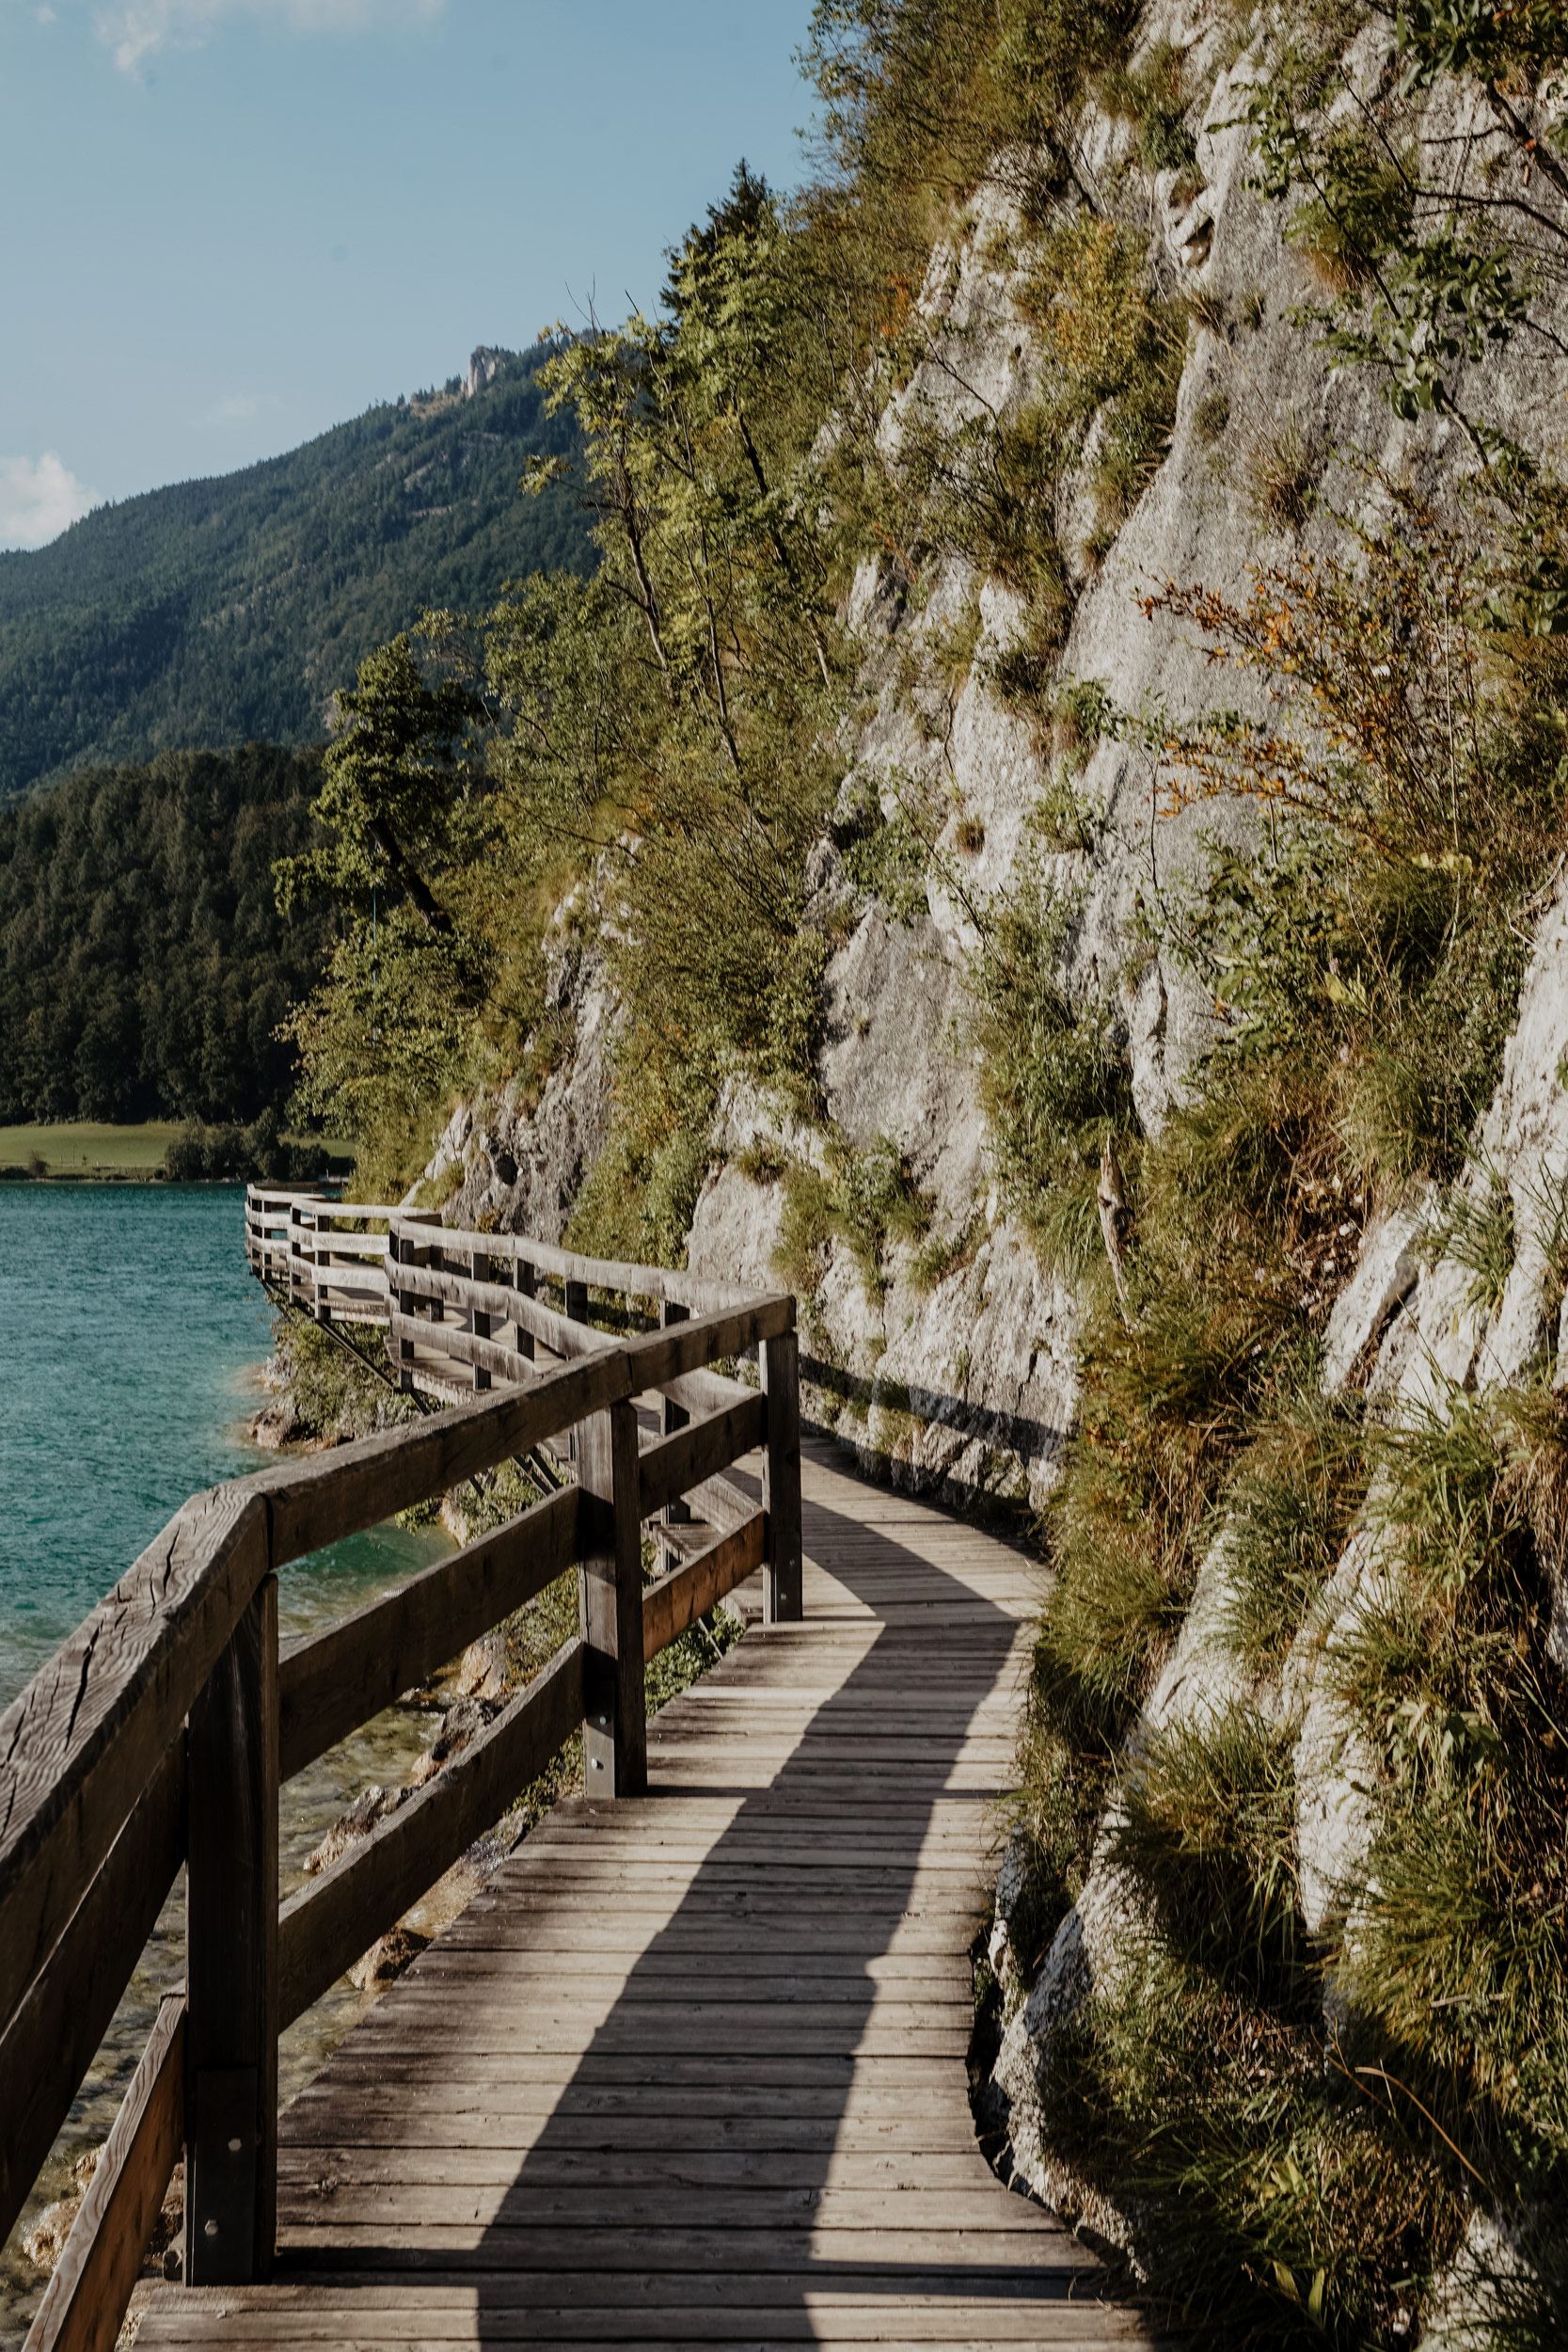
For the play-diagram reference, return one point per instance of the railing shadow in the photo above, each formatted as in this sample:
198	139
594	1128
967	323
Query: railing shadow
685	2172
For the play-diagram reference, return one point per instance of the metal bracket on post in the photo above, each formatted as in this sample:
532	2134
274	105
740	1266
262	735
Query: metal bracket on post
231	1959
609	1588
783	1597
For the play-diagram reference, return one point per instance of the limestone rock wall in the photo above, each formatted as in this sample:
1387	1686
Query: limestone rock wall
1413	1308
966	1389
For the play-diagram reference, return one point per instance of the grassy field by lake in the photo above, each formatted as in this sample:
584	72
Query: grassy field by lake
85	1149
108	1154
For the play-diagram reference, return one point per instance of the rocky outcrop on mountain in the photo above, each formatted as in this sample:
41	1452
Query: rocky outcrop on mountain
1415	1308
509	1162
965	1385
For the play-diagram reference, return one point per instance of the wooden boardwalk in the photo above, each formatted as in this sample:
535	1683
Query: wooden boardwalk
692	2069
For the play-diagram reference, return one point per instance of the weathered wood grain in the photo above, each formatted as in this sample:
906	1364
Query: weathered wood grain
83	1741
48	2046
334	1681
495	1300
615	1731
325	1927
678	1600
85	2302
672	1465
332	1495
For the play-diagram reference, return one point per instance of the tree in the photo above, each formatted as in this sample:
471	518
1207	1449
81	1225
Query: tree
399	794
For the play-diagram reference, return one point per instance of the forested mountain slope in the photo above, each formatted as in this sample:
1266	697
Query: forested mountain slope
144	966
232	610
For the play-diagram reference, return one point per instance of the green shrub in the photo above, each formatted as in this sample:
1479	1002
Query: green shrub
1205	1817
1286	1518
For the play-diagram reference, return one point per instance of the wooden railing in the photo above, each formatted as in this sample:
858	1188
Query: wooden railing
159	1734
325	1257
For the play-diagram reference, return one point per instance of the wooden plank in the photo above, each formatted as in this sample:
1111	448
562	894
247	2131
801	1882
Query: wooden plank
792	2308
325	1927
782	1587
85	1737
568	1336
50	2043
661	1356
677	1601
85	2302
328	1496
701	1391
449	1345
721	1504
336	1681
232	1958
637	1282
615	1729
484	2248
674	1465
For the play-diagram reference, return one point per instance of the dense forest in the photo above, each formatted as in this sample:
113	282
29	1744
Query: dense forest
144	966
232	610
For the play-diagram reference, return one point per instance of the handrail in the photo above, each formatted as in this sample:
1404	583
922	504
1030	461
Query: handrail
159	1734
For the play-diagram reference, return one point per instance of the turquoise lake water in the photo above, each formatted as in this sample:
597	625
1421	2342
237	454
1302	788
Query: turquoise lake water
132	1338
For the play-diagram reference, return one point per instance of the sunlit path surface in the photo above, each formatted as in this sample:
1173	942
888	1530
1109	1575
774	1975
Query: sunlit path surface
693	2070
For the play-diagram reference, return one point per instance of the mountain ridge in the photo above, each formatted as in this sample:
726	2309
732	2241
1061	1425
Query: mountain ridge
230	608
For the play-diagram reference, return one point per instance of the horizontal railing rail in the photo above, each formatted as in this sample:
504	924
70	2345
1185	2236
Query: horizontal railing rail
159	1734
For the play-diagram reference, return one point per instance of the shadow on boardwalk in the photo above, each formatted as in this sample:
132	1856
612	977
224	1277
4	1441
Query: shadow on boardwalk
694	2069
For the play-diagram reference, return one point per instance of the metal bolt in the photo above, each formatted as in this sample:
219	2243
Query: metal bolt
211	2230
233	2147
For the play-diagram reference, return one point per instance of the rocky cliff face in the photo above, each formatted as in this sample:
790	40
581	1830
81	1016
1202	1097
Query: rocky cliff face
1411	1304
963	1386
955	1373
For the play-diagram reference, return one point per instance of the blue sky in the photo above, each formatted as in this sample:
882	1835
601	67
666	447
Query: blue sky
234	222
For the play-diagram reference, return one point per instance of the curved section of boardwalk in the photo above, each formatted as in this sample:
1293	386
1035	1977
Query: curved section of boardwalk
693	2070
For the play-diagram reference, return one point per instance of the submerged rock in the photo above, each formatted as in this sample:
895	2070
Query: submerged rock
387	1959
374	1805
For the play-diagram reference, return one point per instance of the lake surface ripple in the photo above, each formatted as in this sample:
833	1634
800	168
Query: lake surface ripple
132	1338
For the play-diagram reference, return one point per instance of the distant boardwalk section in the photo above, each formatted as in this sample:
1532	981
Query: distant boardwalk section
693	2067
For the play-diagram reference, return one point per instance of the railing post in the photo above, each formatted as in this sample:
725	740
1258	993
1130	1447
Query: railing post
784	1575
322	1307
403	1254
615	1735
479	1267
577	1312
231	1959
676	1514
522	1275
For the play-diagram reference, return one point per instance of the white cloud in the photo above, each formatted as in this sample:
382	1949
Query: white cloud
136	29
37	502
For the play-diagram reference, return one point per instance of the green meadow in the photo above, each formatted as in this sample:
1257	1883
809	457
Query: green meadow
82	1148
